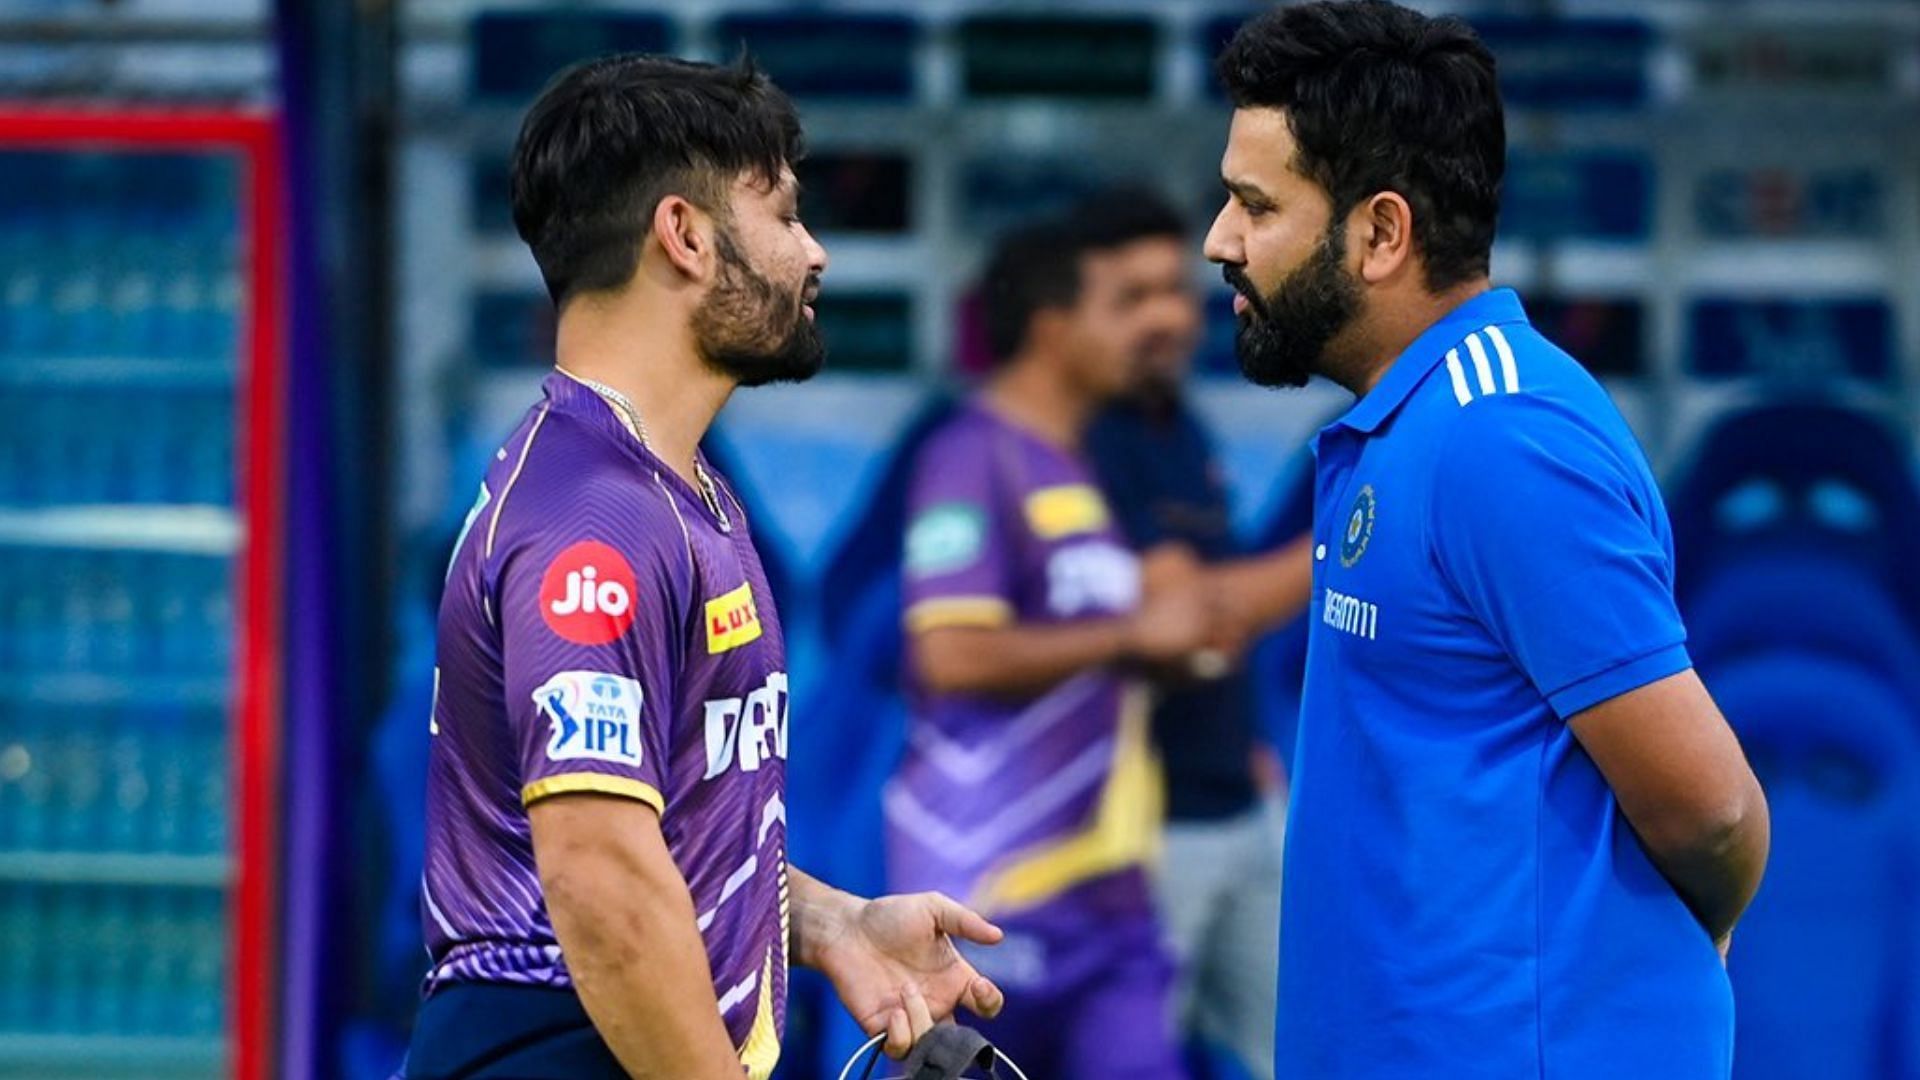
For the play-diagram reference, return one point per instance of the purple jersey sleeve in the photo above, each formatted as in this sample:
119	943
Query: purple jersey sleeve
958	566
589	613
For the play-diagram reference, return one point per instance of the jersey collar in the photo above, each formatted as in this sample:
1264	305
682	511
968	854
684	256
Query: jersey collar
1490	308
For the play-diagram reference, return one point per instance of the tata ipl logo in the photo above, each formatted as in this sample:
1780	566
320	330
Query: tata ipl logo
595	715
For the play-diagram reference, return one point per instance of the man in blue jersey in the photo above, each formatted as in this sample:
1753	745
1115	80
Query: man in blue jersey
1521	833
606	889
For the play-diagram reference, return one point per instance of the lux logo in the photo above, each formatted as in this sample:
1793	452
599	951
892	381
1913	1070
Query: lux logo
732	621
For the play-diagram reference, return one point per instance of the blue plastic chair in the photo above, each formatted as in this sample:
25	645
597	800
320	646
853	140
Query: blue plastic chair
1814	475
1825	963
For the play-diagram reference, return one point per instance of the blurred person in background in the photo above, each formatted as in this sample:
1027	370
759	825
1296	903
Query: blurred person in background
1219	882
1028	786
1521	833
606	887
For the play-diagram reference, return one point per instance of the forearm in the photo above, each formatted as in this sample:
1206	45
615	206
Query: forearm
1717	870
640	968
1265	591
821	914
1681	781
1017	661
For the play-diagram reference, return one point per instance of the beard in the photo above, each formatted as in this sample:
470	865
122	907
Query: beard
753	331
1282	337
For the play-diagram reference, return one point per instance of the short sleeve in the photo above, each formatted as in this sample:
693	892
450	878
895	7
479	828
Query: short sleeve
1558	545
591	633
956	568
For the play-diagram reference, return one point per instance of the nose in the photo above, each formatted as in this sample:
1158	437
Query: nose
1223	243
816	254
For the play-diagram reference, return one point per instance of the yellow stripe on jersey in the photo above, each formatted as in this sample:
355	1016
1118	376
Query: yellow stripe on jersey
958	611
761	1052
596	783
1066	510
1125	830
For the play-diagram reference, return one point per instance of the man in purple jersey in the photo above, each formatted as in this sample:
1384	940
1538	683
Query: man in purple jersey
606	889
1029	787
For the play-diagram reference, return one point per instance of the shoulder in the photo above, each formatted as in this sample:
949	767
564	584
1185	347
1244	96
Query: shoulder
1505	396
571	487
957	456
967	432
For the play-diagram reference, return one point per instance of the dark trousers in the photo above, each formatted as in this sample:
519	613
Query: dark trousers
481	1031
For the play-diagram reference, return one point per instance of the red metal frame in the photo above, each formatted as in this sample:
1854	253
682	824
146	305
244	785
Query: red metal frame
256	704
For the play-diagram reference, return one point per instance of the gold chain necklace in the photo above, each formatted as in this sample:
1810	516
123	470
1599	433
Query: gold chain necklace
630	416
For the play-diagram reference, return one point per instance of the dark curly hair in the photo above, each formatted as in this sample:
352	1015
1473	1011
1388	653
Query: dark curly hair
1382	98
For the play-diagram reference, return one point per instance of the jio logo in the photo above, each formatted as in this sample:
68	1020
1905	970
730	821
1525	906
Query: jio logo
586	595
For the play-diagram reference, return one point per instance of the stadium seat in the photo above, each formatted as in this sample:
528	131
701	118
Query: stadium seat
1821	475
1824	964
1787	595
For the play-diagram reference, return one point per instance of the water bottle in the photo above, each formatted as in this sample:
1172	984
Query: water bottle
113	948
219	341
133	295
182	298
132	788
37	627
76	617
34	903
207	964
13	591
17	933
30	325
211	787
28	828
216	630
15	761
94	441
35	460
208	470
65	964
149	476
115	646
151	991
172	772
80	785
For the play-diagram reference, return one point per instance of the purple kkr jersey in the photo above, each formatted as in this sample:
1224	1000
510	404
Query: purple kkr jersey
604	630
1043	809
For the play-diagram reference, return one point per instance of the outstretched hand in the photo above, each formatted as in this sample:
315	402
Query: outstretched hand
895	966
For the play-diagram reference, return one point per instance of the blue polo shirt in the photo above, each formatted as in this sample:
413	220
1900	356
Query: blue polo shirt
1463	896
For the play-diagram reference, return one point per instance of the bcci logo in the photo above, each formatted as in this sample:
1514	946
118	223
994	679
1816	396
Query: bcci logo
1353	543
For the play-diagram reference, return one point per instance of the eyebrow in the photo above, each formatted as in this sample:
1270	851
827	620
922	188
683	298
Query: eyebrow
1244	191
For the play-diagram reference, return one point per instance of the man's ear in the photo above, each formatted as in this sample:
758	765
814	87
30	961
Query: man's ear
685	234
1383	224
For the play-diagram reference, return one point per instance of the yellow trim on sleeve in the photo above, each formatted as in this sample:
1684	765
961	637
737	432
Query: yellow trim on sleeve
958	611
597	783
1125	830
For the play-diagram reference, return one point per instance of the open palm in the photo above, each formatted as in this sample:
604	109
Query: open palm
897	970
